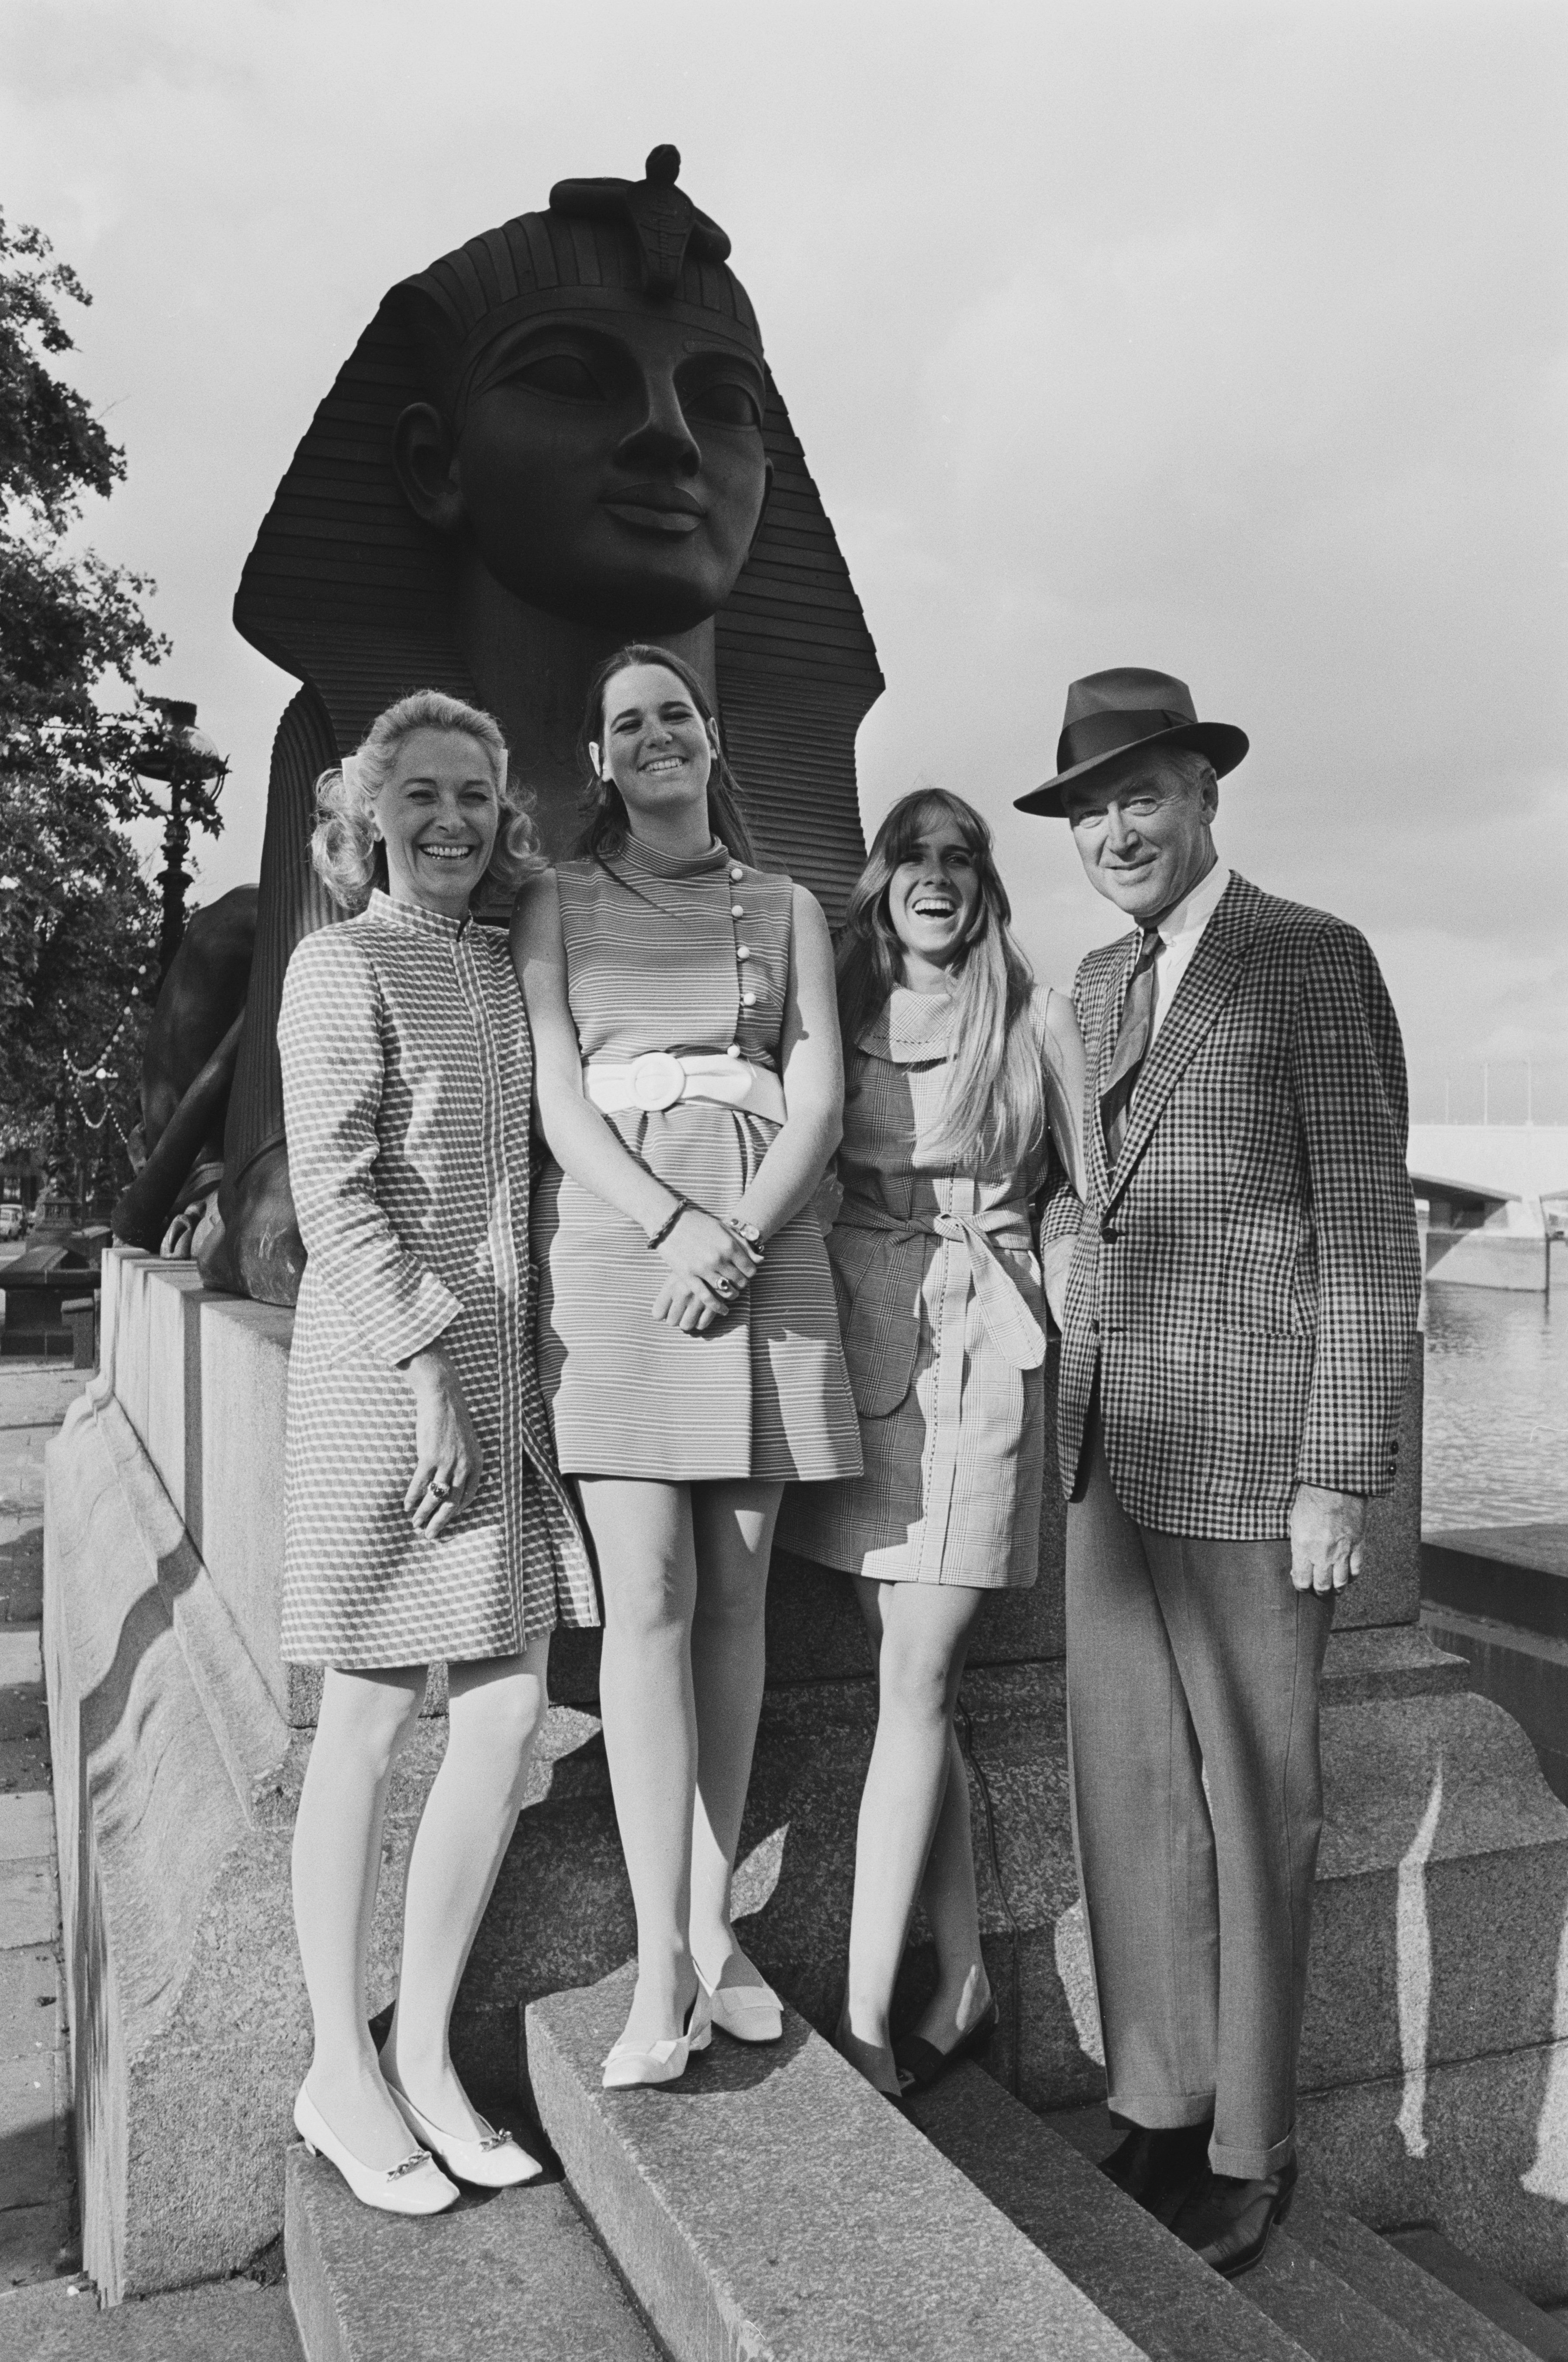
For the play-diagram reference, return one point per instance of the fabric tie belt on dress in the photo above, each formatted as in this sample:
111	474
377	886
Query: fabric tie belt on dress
659	1080
1013	1330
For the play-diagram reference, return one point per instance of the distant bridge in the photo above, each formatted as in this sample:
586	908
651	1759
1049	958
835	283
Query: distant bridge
1495	1194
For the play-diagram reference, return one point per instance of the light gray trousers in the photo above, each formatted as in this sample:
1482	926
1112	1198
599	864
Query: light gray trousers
1192	1723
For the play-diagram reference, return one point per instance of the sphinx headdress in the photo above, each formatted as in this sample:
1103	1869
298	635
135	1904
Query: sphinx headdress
347	590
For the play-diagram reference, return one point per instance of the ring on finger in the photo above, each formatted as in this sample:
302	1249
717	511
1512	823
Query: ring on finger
438	1489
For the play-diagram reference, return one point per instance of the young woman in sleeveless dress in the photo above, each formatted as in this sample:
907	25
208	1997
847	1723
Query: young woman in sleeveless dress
422	1514
963	1082
690	1086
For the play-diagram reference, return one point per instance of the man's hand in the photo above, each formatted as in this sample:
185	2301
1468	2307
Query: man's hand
1326	1532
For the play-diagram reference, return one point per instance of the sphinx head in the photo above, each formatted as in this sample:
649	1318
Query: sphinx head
595	388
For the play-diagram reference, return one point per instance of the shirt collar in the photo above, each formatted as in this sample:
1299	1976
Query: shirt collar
910	1029
1194	909
383	905
635	854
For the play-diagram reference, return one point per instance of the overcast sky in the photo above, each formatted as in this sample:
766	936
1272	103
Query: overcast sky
1228	339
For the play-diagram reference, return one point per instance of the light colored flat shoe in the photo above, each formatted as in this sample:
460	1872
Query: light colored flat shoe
746	2012
660	2062
417	2186
496	2162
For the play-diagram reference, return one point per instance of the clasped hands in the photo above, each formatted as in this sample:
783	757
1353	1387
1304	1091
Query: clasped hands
711	1262
1327	1531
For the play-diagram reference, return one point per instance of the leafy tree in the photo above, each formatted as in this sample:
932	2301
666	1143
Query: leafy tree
78	920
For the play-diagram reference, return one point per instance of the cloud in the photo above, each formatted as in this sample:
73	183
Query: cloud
1228	338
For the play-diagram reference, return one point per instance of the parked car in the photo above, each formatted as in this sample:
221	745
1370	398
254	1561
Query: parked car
13	1219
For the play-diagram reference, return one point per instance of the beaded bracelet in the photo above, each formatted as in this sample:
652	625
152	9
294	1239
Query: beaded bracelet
681	1205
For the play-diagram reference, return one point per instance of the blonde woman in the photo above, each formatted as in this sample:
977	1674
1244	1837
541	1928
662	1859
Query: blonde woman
424	1518
964	1081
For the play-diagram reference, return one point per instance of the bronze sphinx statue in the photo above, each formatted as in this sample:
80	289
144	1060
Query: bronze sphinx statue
560	437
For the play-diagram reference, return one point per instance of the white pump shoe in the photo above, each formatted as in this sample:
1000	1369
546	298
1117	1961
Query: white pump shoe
492	2162
417	2186
746	2013
660	2062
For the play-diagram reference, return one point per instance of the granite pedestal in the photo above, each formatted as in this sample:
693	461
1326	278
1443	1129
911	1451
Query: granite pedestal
1436	2053
1497	1596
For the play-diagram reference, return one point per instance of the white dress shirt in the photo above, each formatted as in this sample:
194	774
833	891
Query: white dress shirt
1181	931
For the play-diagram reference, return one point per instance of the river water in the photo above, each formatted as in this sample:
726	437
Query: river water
1497	1421
1497	1425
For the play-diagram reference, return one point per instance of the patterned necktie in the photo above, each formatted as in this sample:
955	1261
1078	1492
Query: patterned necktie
1131	1045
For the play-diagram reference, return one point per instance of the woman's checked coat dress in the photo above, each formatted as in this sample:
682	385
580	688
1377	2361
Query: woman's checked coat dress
944	1325
408	1072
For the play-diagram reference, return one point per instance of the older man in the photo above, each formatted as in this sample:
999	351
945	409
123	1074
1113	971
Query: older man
1238	1296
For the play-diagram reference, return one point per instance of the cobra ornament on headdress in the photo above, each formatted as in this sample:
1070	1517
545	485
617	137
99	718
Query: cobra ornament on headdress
662	219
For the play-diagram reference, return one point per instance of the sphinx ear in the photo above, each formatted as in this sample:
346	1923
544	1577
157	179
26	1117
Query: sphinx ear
426	463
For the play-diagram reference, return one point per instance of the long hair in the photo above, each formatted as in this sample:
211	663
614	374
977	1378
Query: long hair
345	847
606	823
993	1115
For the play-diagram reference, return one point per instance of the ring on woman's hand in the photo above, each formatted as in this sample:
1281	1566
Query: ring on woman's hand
438	1489
726	1287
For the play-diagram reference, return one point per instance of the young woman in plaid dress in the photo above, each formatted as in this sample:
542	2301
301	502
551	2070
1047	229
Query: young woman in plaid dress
424	1516
963	1083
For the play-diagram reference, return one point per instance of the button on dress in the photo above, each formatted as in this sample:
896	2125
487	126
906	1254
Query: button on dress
653	948
944	1330
407	1084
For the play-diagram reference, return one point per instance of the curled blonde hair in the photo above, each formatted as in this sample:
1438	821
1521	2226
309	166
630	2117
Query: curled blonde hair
343	846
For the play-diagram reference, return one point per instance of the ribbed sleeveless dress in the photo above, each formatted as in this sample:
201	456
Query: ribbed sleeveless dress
691	957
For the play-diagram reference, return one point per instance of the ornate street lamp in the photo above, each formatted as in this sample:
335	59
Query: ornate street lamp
185	759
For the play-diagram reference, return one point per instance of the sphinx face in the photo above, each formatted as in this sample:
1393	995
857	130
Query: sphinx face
610	465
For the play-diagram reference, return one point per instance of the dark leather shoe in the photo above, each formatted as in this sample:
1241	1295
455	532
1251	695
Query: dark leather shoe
921	2063
1227	2223
1160	2169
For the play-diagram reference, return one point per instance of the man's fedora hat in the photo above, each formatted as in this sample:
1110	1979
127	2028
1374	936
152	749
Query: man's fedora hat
1108	713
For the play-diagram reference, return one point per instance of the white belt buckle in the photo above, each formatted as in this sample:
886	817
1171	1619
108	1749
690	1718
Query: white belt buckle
657	1080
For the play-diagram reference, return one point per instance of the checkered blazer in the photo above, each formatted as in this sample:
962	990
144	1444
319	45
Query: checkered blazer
1244	1290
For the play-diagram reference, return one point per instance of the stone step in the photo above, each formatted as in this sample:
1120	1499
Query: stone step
1329	2287
1336	2323
1438	1901
1484	2292
1401	1661
771	2206
562	1914
1444	2323
1174	2308
232	2320
519	2273
1296	2289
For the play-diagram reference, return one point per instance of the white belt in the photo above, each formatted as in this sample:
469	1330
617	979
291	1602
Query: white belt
658	1079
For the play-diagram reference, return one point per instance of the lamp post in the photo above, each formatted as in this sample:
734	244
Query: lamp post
55	1211
185	759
